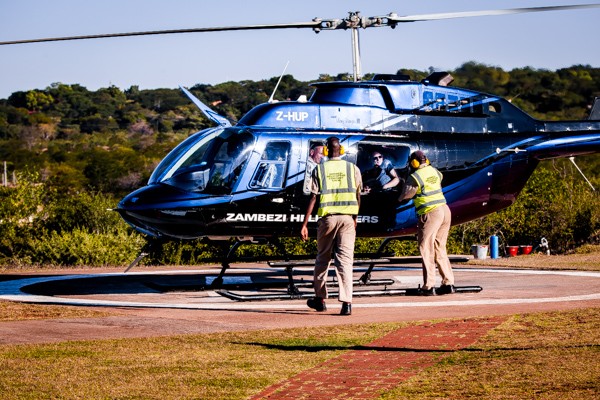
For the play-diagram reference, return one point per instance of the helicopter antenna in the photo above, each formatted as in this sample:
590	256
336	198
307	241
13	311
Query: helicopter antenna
278	82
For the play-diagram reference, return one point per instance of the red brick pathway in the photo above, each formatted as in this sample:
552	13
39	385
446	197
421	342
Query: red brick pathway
382	364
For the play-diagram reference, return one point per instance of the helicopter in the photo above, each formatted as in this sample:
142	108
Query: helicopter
246	180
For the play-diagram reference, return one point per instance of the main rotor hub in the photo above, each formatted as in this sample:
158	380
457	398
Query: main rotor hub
354	21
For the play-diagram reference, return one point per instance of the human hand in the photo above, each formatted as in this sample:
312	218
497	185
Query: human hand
304	233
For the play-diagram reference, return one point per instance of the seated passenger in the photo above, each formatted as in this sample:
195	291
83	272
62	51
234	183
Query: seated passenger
382	176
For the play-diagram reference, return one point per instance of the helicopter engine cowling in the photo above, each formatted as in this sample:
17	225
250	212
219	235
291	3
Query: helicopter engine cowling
314	116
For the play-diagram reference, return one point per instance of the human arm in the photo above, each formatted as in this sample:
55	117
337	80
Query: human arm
395	180
410	189
359	190
309	210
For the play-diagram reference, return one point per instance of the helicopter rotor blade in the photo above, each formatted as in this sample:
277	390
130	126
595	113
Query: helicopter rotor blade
353	21
313	24
392	18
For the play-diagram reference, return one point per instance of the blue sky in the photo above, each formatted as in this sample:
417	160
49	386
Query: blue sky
548	40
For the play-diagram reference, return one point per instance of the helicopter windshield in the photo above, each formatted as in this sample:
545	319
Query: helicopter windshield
208	163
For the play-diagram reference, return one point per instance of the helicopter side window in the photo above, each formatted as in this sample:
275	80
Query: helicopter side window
494	107
440	99
472	105
427	98
464	106
452	103
272	167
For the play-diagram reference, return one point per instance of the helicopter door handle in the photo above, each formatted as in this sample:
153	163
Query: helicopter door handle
515	150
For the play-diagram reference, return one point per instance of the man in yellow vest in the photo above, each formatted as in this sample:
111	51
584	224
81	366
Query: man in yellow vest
433	225
339	183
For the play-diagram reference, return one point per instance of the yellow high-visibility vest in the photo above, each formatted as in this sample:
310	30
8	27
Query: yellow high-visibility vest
338	188
429	194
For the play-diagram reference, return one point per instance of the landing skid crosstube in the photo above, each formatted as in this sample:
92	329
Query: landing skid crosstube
357	293
229	256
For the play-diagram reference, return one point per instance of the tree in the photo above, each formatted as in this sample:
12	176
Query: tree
36	100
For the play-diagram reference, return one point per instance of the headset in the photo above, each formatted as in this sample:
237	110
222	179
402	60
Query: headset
326	149
416	163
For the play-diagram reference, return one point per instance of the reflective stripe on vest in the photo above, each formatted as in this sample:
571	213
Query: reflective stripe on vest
429	194
338	188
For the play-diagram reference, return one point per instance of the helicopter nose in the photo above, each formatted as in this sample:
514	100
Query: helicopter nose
152	196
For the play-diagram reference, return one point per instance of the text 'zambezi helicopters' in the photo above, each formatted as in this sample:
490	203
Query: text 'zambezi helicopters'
247	181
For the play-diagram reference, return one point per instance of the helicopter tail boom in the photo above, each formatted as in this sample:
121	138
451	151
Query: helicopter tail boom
571	139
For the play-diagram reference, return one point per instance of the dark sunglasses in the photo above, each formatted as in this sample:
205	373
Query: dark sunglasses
377	157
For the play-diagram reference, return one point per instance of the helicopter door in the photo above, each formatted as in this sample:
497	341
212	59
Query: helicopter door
384	169
272	167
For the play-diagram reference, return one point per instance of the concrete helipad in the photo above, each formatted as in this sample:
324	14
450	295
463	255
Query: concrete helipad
153	303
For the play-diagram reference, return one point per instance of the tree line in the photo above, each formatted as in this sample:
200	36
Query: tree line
75	152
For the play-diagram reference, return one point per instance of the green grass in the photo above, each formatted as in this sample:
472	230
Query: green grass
544	355
535	356
215	366
12	311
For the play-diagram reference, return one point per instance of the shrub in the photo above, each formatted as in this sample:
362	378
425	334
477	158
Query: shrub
80	248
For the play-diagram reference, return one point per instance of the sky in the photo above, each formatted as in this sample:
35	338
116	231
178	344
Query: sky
549	40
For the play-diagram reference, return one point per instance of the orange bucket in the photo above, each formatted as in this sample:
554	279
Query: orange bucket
512	250
526	249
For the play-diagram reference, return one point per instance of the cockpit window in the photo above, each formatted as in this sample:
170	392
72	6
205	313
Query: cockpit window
178	155
211	166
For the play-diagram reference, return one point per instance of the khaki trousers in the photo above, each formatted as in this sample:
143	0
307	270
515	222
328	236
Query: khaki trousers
432	236
337	233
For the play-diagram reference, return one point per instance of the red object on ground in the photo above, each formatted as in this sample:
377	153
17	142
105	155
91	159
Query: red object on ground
512	250
526	249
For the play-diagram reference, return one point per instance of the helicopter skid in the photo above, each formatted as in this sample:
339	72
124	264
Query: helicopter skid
309	263
357	293
264	285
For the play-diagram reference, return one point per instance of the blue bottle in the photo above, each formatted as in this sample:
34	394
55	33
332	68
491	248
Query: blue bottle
493	246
